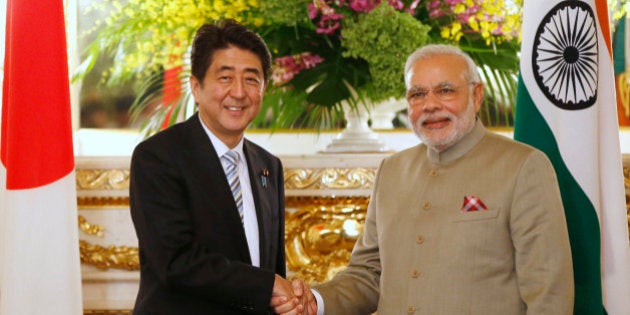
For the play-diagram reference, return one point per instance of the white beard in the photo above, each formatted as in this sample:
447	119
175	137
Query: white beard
462	125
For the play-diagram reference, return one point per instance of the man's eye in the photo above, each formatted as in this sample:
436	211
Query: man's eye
420	94
445	91
253	80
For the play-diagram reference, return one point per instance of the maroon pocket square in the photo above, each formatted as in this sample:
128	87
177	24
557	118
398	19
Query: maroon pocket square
472	203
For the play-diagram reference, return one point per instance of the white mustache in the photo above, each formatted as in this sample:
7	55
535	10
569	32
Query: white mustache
435	117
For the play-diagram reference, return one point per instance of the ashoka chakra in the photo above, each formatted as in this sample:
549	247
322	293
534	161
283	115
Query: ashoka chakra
564	59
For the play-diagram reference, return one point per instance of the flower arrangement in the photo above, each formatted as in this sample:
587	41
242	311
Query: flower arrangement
328	54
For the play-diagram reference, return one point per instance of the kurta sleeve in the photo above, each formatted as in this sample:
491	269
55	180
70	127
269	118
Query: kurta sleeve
355	290
541	241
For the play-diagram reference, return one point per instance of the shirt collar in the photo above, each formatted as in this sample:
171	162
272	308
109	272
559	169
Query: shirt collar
457	150
221	147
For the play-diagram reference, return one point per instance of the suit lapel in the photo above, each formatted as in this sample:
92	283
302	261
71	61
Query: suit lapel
261	201
207	166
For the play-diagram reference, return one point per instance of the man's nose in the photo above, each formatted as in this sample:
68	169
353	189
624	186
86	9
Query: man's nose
237	89
431	103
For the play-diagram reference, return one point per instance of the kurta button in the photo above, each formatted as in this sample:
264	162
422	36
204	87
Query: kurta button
433	173
426	206
420	239
415	274
411	310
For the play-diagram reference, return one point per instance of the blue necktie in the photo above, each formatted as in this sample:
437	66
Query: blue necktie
232	176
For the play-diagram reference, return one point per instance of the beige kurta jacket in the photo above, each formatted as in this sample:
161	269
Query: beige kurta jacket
421	253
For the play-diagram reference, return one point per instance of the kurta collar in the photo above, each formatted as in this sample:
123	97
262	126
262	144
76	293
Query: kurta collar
460	148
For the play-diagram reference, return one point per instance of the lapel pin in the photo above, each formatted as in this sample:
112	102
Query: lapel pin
263	177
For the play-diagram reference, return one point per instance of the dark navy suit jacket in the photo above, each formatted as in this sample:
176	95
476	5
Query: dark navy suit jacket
194	257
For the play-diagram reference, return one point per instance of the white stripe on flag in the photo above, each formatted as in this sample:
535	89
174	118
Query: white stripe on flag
40	252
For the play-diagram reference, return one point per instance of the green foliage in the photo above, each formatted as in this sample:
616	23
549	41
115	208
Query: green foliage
290	13
499	66
384	38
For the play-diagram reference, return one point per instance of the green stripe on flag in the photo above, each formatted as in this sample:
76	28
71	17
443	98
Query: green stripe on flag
619	41
530	127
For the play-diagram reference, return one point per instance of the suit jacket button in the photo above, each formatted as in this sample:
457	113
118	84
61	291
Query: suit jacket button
411	310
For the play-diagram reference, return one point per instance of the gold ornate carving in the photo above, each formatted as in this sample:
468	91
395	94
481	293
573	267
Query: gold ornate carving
302	178
327	201
102	179
120	257
319	239
329	178
337	210
102	201
90	229
107	312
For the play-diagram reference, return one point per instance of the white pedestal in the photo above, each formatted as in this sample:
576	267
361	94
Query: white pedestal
357	137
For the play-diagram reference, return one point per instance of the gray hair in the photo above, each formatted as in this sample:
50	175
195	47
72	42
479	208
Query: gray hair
438	49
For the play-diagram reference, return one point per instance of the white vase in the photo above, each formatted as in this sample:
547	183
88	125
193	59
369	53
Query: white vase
357	137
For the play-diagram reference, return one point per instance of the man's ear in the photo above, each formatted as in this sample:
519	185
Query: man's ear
478	96
195	87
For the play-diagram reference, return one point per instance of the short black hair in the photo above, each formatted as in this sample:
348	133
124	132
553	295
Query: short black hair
212	37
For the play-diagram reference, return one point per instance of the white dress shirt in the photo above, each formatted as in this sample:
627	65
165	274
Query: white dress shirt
250	221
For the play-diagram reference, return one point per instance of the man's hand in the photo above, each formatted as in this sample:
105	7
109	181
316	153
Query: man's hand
283	299
302	303
305	295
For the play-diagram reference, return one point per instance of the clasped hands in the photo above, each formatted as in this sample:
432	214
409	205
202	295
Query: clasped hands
292	297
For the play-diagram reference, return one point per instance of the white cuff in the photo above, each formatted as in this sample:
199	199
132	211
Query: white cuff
320	302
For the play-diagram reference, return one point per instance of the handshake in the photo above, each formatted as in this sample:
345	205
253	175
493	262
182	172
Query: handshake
292	298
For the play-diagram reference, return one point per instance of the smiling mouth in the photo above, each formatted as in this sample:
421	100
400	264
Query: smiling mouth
436	123
235	108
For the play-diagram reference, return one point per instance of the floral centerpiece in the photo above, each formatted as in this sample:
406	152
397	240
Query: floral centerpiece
328	54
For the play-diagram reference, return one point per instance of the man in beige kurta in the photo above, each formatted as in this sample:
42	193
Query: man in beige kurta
469	222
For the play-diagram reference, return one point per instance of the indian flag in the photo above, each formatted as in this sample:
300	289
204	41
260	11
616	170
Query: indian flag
39	248
566	107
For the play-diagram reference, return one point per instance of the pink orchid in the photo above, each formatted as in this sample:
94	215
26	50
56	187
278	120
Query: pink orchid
287	67
363	5
329	23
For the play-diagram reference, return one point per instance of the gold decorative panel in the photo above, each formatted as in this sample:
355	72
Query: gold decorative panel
294	178
119	257
326	201
329	178
107	312
102	179
319	239
90	229
104	201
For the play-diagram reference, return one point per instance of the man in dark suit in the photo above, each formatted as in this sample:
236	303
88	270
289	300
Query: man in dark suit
211	228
